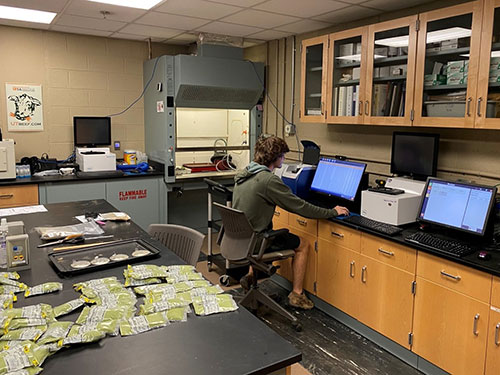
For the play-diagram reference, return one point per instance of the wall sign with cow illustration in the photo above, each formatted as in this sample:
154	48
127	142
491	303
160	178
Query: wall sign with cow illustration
24	107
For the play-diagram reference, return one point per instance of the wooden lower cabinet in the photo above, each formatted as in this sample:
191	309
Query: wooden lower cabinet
450	329
493	349
386	299
286	270
338	276
18	195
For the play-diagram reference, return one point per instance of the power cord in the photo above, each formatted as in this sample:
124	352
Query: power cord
276	108
142	94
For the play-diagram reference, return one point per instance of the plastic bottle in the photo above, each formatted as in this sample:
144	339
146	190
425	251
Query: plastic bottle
4	229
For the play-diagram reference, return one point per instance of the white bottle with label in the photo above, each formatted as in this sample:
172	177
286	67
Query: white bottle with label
4	229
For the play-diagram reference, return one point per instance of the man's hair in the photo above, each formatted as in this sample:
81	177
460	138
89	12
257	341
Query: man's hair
268	149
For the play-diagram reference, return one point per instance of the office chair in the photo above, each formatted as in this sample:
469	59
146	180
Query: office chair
183	241
238	244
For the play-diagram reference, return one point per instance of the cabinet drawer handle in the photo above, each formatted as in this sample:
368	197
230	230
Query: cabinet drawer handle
276	213
6	196
469	100
351	270
363	279
456	278
497	329
302	222
474	328
360	110
322	105
339	235
479	100
390	253
366	107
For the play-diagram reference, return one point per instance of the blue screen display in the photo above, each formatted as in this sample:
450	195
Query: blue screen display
338	177
462	206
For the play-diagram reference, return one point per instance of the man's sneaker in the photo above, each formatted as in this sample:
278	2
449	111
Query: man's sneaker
300	301
246	282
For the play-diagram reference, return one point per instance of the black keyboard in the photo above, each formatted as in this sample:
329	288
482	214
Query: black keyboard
99	174
450	247
377	226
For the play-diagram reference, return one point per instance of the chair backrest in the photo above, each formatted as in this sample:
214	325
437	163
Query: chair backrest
239	237
183	241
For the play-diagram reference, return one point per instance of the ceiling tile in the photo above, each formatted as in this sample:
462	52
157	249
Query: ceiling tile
79	30
304	9
90	9
259	18
153	31
251	43
351	13
89	23
229	29
47	5
197	8
241	3
172	21
389	5
133	37
184	38
358	1
270	35
304	26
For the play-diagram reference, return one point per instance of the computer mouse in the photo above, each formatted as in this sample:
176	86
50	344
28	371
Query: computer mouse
484	255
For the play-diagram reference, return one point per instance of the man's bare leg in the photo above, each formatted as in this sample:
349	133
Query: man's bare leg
299	265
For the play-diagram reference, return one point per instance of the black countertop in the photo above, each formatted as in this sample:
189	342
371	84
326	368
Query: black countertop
229	343
490	244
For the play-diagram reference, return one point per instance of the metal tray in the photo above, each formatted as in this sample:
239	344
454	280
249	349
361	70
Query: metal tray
62	261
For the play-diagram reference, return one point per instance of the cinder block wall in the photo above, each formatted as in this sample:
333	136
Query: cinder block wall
80	76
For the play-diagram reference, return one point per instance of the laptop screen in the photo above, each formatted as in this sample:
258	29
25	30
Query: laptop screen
461	206
338	177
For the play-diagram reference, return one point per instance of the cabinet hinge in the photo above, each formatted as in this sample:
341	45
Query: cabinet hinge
314	287
413	287
316	246
326	114
417	25
412	114
410	338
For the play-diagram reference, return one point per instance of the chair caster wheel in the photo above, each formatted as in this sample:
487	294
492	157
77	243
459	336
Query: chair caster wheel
297	327
210	267
224	280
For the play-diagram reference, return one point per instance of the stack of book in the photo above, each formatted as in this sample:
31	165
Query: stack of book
388	99
346	100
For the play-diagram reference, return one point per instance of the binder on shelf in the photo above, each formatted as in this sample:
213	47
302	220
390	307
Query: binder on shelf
348	101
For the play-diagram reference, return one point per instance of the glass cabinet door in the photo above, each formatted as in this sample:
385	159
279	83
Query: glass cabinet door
346	76
447	64
391	69
314	63
488	101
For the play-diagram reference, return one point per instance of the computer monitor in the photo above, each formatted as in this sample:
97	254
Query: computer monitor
339	178
92	131
457	205
414	154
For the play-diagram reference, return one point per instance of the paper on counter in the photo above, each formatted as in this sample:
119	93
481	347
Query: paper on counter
22	210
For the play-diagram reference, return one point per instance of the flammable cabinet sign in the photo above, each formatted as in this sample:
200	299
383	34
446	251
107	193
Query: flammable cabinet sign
132	194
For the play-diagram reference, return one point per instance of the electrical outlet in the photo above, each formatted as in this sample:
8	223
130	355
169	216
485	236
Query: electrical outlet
289	130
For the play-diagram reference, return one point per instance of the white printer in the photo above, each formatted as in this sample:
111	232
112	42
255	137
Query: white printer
394	209
95	159
7	159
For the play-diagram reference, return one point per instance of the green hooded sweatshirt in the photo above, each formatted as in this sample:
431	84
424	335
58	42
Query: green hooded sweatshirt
258	191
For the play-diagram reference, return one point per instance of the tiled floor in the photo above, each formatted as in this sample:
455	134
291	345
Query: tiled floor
328	347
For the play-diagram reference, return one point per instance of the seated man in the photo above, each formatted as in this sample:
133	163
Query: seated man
258	191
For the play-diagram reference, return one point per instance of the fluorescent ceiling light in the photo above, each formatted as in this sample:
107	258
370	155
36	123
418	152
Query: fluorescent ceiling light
28	15
356	57
141	4
432	37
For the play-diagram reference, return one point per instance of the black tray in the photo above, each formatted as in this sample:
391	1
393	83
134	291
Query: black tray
62	260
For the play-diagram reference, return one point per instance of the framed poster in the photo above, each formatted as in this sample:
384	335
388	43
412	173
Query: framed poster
24	107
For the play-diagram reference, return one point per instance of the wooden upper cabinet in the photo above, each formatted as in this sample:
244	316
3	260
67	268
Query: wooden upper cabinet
313	79
346	76
488	89
447	67
391	52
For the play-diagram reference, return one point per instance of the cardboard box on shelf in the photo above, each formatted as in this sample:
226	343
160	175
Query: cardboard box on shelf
494	63
434	79
453	67
385	71
346	49
357	48
398	70
376	72
433	47
459	78
381	51
356	73
494	76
